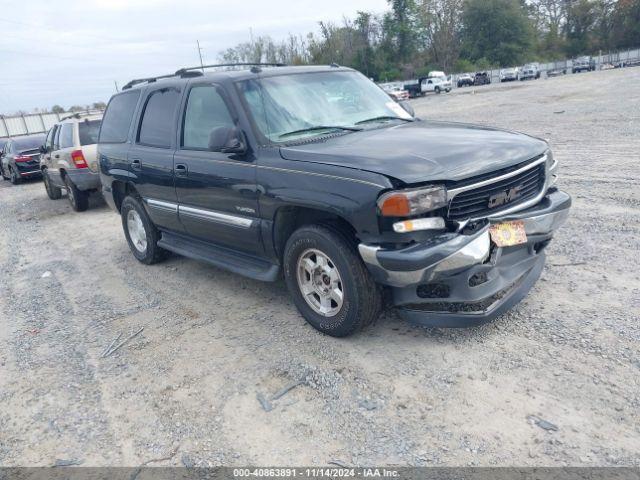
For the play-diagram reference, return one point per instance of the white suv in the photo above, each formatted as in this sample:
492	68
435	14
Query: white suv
69	159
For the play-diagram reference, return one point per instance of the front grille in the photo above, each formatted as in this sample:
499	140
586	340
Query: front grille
474	203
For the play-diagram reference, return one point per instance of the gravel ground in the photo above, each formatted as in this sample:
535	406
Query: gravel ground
554	382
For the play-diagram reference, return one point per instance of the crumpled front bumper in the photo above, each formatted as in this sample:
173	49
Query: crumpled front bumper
457	280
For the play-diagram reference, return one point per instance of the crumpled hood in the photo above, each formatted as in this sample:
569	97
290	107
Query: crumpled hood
422	151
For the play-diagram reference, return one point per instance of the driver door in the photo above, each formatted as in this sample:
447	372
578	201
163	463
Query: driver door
216	191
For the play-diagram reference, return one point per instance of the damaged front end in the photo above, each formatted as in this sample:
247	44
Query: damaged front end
463	278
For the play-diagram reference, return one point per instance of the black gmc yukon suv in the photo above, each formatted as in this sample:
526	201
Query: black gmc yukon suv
316	172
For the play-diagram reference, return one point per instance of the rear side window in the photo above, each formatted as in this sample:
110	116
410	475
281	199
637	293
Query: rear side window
205	111
117	118
156	127
56	138
88	132
66	135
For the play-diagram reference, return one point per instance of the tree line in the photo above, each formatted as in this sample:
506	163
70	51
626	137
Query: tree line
415	36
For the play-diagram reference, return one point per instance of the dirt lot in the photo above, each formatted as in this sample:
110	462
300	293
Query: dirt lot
184	391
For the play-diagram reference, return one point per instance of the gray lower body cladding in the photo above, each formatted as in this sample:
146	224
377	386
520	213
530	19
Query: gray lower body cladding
83	178
460	280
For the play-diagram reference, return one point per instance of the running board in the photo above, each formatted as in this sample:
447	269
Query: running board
222	257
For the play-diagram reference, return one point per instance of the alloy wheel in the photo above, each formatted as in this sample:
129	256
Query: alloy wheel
320	283
137	232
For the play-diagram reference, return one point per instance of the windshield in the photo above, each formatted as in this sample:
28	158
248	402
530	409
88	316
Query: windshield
290	107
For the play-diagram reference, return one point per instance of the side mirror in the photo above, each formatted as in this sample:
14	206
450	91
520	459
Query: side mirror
407	107
227	139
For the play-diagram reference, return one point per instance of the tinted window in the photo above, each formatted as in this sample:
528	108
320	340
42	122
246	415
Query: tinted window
49	140
56	138
205	111
156	127
66	135
88	132
117	118
28	143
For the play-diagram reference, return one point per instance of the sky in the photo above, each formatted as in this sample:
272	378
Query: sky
70	52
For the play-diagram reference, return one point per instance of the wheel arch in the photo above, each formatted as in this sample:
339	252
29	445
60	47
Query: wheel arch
288	219
120	190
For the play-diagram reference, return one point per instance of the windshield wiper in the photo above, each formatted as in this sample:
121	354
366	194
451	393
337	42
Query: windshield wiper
383	117
320	127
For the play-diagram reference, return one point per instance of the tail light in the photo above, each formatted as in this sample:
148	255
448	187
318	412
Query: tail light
22	158
78	158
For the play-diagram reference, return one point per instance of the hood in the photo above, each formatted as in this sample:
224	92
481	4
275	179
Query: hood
422	151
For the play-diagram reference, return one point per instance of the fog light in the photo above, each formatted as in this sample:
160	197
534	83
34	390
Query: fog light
431	223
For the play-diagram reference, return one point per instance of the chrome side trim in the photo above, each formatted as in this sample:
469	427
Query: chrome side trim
160	205
218	217
455	191
322	175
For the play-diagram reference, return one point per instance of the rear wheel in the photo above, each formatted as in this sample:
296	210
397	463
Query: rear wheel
54	193
328	281
14	176
78	199
140	232
4	175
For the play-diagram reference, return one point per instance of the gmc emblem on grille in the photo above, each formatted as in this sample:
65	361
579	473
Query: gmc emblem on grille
505	197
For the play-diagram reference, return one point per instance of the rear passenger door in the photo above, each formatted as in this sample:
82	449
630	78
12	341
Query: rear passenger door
151	155
62	155
216	191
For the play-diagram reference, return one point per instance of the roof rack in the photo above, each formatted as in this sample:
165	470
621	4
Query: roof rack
83	113
188	72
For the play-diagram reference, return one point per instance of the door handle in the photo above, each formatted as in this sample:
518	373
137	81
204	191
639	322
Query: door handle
136	164
181	169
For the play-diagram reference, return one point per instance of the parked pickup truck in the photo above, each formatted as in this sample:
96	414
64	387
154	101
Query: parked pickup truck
314	173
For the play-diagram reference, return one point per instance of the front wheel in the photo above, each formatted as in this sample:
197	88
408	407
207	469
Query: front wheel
140	232
328	281
437	89
4	175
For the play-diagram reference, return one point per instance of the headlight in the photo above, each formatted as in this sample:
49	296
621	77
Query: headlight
405	203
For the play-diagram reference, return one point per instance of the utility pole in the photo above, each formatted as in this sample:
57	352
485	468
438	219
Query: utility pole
200	55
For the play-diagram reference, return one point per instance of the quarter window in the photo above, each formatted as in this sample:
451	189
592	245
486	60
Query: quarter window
205	111
66	135
117	119
156	127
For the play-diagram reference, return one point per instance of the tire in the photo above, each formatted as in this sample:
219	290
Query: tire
437	90
4	175
78	199
361	299
14	176
150	252
54	193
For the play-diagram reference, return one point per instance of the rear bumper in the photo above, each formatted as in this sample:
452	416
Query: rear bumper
84	178
28	169
460	280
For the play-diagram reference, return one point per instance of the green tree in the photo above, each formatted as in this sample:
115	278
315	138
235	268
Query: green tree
625	31
581	19
496	30
57	109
